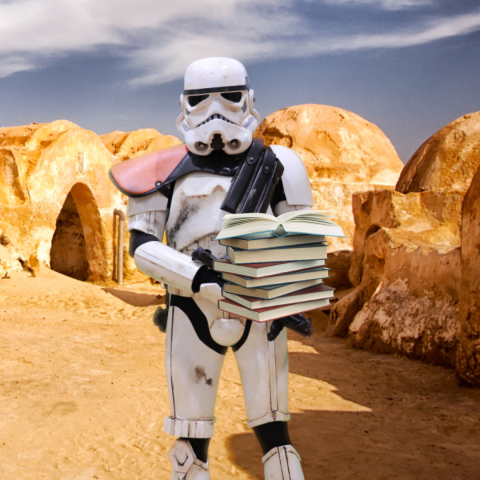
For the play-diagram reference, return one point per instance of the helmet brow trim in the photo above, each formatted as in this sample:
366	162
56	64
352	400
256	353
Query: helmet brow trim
216	90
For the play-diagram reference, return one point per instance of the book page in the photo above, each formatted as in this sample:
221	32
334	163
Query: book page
301	213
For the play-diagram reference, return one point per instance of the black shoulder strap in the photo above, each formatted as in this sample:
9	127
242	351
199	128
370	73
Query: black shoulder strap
254	182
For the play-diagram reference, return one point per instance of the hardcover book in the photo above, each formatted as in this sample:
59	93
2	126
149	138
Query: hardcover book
257	270
315	251
255	242
271	313
310	274
318	292
272	291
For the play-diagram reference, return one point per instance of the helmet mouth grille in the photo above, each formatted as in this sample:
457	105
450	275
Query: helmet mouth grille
215	116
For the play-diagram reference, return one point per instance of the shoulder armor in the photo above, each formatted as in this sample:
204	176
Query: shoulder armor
296	183
138	176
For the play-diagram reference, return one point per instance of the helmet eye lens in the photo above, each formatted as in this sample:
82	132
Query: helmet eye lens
194	100
234	97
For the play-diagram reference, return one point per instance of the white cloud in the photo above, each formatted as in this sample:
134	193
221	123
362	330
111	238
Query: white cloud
158	38
13	64
432	31
168	61
386	4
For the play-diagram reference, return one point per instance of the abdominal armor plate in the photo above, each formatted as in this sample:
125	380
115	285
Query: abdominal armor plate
195	212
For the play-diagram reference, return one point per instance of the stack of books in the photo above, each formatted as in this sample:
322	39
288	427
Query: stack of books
275	266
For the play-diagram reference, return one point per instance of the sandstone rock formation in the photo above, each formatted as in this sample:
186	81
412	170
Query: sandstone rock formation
343	153
468	354
406	295
447	161
43	168
406	265
139	142
56	201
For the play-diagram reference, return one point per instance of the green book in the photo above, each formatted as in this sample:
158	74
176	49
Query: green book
315	251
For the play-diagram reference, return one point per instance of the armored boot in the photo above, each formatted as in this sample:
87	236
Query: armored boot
282	463
185	464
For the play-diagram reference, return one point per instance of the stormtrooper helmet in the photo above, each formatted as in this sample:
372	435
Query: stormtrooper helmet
217	107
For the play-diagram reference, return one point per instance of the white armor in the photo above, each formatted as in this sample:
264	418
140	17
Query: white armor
185	464
282	463
192	367
235	120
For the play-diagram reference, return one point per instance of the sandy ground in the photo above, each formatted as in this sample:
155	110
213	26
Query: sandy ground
83	396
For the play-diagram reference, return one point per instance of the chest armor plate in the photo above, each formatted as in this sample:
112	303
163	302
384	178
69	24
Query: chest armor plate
195	210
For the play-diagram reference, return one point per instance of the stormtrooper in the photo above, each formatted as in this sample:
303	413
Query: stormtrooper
181	191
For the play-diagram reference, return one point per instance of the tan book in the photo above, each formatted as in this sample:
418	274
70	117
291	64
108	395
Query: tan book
282	254
271	291
258	270
310	274
311	222
318	292
271	313
253	243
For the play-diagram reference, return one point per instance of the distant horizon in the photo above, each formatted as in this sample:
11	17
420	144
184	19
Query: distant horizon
178	135
408	66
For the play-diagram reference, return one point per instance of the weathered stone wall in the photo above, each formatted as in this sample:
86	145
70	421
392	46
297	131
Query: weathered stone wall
55	191
468	355
407	265
42	165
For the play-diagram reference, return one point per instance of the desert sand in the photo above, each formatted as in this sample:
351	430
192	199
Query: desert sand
83	396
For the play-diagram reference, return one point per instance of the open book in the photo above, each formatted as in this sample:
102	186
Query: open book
312	222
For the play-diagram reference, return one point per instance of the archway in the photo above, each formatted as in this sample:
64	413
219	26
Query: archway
68	253
79	245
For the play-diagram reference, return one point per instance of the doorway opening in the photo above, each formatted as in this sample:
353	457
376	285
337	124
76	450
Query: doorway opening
68	254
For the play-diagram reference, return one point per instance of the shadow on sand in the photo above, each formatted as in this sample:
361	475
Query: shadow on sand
136	299
415	424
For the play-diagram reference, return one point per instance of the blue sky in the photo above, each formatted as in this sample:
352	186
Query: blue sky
409	66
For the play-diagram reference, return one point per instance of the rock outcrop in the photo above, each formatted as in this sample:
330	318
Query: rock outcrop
406	300
407	263
468	354
44	168
139	142
343	153
447	161
56	201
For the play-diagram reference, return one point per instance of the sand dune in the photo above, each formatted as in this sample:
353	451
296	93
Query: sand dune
83	396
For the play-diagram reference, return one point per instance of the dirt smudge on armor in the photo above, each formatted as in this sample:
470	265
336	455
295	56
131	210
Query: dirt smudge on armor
187	209
200	375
